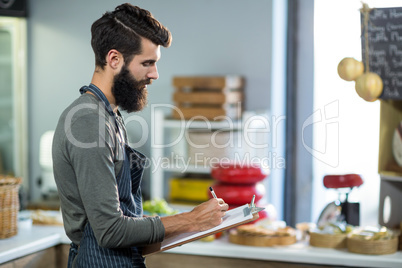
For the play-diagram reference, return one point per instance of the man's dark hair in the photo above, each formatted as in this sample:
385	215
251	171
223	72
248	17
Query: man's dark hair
122	30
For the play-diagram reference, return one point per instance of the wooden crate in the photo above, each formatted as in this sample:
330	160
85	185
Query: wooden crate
208	82
390	171
390	118
208	97
208	148
389	212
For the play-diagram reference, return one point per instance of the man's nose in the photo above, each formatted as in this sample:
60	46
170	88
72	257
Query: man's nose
153	74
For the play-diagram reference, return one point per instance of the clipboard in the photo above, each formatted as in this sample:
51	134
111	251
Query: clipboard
233	218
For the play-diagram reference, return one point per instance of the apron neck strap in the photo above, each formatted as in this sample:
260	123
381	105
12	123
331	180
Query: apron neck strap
98	93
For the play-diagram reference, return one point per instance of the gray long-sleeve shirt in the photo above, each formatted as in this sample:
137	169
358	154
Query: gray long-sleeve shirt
86	161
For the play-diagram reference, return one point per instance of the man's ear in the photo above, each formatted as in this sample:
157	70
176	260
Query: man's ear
114	59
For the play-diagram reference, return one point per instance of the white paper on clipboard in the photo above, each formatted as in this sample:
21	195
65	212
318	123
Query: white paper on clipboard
233	218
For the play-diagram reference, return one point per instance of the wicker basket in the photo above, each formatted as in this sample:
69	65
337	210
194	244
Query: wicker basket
375	247
260	241
328	240
9	206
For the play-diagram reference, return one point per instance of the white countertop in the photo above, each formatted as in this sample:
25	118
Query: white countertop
31	240
36	238
296	253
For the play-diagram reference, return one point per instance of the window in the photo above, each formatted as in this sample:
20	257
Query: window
345	127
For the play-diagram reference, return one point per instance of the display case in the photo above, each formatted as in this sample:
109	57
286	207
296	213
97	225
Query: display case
174	146
13	98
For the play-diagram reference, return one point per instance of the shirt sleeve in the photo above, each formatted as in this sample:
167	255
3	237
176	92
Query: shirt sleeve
92	152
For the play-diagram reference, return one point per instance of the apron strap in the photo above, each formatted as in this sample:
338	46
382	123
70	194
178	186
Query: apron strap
73	252
99	94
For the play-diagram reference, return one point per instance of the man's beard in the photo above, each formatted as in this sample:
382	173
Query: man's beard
130	95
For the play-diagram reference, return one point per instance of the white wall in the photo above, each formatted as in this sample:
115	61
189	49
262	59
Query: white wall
209	37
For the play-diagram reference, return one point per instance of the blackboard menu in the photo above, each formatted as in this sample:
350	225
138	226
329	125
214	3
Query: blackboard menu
384	35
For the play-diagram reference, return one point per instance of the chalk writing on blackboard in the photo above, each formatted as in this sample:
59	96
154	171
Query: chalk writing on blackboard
385	48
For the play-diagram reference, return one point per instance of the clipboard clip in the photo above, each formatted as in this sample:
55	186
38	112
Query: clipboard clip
252	208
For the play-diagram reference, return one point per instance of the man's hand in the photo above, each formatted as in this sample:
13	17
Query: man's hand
203	217
209	214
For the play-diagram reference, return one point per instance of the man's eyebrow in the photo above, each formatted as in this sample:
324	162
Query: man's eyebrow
149	61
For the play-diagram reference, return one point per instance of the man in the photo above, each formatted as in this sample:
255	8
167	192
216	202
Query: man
97	174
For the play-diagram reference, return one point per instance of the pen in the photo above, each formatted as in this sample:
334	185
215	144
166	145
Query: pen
212	192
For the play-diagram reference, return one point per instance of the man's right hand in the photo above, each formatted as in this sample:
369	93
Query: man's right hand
209	214
203	217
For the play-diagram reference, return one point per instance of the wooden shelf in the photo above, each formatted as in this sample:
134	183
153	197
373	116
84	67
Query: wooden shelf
201	124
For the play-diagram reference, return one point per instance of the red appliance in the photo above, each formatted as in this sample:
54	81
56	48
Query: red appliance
342	209
237	183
